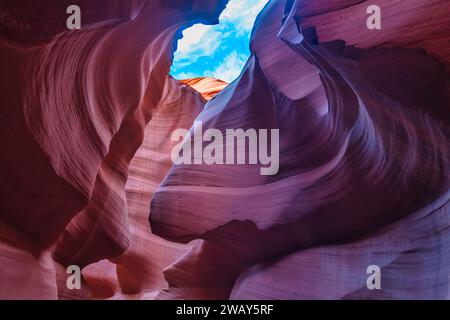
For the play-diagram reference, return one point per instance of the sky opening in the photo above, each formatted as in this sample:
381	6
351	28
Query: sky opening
218	51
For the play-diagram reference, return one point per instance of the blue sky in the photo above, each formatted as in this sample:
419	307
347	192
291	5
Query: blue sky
218	51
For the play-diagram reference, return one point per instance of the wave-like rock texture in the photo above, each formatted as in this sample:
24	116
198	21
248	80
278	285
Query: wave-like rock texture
76	105
364	161
138	271
85	154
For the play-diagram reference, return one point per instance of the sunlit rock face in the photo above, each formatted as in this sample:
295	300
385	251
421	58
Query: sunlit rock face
207	87
85	157
138	271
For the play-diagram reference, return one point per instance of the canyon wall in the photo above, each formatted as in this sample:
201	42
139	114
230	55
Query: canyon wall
87	179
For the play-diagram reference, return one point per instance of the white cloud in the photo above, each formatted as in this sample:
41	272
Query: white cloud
242	13
185	75
230	68
205	41
198	41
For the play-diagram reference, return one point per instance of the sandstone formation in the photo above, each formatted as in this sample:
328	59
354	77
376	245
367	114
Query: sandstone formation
87	179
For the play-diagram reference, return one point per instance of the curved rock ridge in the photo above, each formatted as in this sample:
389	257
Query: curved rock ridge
138	271
409	253
86	167
75	110
363	147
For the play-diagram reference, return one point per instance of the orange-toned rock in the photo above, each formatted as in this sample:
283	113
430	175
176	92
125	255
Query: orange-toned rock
208	87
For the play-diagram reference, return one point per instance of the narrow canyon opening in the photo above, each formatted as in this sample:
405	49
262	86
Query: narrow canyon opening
218	51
